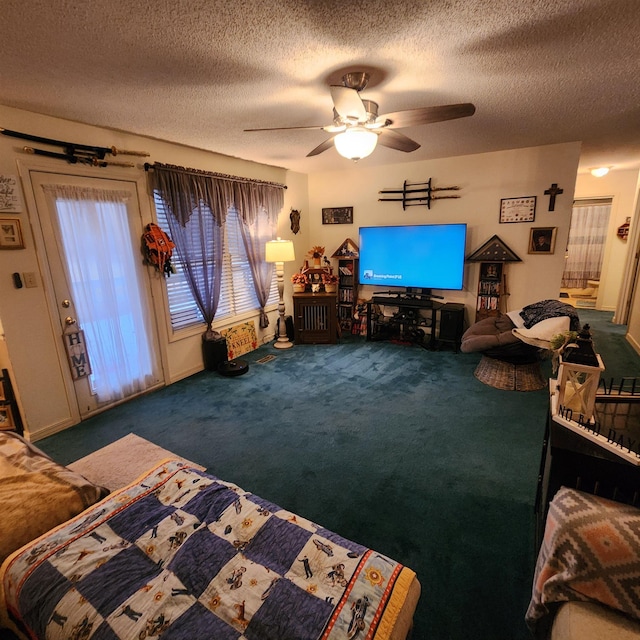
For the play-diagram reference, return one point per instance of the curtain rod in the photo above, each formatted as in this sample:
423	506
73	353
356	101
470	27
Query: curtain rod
201	172
584	202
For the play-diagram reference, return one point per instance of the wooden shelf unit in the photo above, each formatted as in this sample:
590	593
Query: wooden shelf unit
347	291
10	419
491	289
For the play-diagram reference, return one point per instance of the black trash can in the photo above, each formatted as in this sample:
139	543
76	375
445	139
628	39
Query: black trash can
214	351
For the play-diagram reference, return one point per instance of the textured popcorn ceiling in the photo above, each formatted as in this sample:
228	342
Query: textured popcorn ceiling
198	72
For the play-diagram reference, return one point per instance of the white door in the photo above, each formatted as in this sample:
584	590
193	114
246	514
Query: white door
91	228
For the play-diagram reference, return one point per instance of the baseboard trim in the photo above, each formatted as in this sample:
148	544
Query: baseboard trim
52	429
634	343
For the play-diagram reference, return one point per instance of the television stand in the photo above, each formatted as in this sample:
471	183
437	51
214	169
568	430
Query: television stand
416	321
403	300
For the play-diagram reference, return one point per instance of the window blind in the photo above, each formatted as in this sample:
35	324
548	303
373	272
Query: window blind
237	294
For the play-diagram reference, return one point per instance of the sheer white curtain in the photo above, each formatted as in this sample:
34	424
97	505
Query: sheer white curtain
585	246
256	232
106	288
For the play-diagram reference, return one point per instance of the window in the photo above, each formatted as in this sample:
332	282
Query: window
237	294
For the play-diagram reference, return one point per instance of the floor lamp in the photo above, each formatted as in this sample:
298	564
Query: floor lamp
280	251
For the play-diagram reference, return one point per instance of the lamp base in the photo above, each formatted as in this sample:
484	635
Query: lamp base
283	343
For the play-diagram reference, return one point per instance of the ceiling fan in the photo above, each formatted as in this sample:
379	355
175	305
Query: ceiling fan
357	128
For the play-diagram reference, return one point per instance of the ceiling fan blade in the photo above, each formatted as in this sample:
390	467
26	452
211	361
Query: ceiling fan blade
327	144
427	115
286	129
348	103
396	140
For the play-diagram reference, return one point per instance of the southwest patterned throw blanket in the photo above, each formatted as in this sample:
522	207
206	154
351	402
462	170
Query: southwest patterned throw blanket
182	554
590	553
538	311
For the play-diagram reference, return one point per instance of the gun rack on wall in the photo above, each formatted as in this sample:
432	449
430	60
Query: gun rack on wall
417	194
73	152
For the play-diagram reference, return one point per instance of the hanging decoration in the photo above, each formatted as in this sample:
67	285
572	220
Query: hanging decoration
552	192
623	230
417	194
157	248
76	348
294	216
75	153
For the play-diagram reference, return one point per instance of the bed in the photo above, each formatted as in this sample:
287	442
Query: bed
180	553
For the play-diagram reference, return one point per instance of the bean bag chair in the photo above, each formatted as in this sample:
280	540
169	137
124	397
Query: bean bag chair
494	338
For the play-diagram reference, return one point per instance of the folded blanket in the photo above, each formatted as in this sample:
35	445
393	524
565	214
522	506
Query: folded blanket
539	311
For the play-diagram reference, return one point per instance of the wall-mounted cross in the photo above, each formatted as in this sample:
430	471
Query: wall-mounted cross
552	192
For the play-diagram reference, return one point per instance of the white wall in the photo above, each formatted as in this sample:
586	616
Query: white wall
621	186
484	179
31	336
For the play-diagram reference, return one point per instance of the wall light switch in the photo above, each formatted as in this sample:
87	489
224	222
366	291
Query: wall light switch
29	279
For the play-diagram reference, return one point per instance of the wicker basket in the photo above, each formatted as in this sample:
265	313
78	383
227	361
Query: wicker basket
508	376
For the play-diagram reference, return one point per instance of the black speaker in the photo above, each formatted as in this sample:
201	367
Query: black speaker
214	352
451	322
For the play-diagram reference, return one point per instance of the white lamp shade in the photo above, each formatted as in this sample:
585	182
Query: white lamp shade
279	251
356	143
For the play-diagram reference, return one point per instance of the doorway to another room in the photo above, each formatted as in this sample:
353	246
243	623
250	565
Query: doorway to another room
586	244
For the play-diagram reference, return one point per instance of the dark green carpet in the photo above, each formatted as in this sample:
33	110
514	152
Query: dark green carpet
396	447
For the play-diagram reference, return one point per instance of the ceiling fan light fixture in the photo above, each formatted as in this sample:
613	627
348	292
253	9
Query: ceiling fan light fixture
356	143
599	172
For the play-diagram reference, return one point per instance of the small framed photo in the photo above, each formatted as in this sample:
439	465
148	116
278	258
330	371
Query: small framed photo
518	209
337	215
490	271
10	234
6	418
542	239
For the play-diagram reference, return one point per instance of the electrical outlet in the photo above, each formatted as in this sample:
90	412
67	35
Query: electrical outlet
29	279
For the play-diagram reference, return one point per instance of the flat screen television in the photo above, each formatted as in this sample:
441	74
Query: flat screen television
429	256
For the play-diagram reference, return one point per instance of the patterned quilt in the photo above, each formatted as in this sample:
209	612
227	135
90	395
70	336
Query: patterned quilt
590	553
182	554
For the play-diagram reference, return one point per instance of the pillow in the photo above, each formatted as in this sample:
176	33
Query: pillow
36	493
541	333
516	318
488	333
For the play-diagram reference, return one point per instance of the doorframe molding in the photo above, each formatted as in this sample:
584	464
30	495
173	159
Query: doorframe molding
631	279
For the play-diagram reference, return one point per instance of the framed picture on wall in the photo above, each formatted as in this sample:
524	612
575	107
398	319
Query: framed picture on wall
337	215
518	209
10	195
6	418
10	234
542	239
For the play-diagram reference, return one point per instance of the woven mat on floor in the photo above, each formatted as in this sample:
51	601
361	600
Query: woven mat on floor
508	376
121	462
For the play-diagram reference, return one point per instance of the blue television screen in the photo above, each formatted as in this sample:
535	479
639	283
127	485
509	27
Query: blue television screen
429	256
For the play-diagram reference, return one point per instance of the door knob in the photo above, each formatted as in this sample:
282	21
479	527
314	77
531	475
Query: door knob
69	320
66	303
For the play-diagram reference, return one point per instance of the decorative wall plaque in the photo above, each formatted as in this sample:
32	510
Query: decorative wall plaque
518	209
